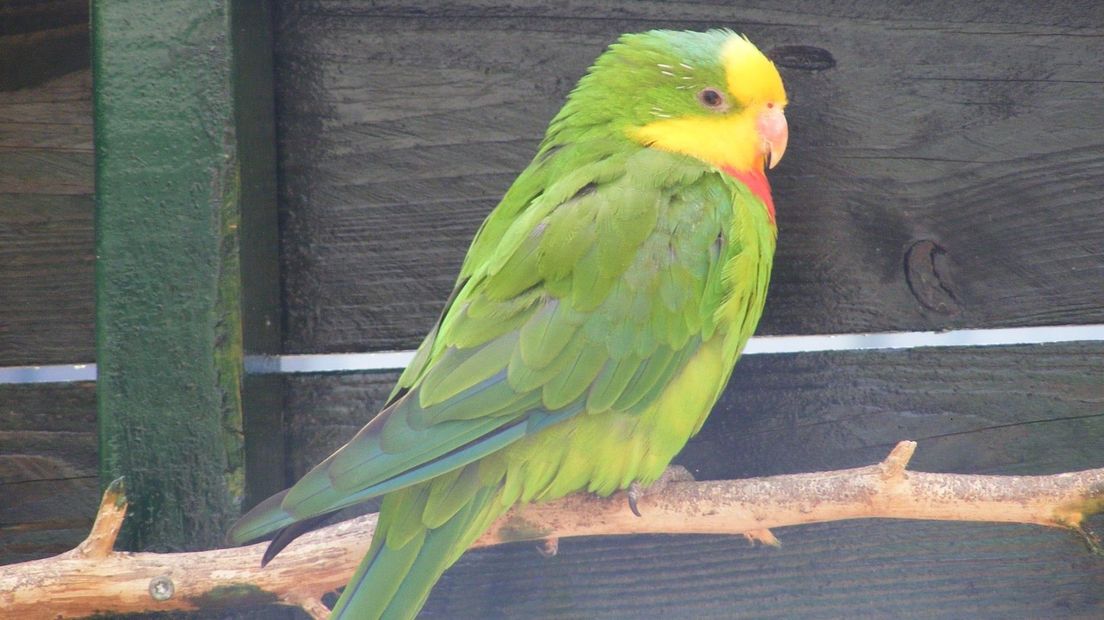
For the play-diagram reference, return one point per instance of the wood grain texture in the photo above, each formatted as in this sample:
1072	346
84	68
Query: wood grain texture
46	221
1007	410
945	166
1034	409
49	480
41	40
858	569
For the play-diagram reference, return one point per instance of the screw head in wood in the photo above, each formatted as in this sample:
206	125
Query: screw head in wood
161	588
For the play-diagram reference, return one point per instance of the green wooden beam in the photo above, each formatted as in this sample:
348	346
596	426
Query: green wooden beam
169	197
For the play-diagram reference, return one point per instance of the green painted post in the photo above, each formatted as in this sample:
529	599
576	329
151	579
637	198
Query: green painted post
168	276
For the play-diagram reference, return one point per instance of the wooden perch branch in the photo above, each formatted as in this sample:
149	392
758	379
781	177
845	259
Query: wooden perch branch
92	579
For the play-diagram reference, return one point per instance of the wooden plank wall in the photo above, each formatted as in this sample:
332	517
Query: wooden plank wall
46	240
969	126
945	170
48	455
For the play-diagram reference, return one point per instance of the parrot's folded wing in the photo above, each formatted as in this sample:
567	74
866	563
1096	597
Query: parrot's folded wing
399	448
553	322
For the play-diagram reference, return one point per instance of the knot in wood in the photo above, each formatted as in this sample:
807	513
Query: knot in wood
929	278
161	588
803	57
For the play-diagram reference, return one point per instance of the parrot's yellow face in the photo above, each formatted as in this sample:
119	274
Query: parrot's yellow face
736	122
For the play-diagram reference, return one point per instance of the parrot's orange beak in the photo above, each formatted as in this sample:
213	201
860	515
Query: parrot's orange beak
775	133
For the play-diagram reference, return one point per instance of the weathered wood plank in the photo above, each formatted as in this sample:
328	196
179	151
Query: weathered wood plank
968	133
48	453
1006	410
40	40
46	222
49	477
859	569
1036	409
26	172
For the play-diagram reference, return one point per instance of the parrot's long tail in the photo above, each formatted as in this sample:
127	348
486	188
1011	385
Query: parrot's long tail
407	557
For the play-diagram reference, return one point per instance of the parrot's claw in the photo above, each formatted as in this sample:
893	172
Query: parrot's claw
636	491
549	547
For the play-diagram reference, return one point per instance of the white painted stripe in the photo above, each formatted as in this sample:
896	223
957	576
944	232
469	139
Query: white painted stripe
397	360
917	340
327	362
59	373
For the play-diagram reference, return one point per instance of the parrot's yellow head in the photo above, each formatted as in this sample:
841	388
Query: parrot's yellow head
709	95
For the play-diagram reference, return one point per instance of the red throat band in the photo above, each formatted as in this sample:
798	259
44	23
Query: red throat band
756	181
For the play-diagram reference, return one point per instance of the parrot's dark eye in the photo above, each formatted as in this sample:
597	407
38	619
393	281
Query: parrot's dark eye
712	99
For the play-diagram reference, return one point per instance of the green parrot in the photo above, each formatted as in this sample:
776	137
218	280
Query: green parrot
596	319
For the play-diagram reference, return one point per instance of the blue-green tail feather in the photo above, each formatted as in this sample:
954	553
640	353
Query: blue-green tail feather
265	518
